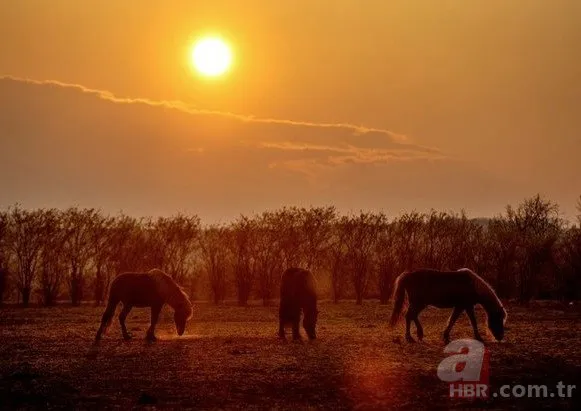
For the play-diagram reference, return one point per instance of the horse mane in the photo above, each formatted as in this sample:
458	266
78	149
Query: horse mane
490	300
175	295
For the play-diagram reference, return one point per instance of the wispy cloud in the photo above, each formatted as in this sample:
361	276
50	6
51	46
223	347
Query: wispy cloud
181	106
316	156
404	152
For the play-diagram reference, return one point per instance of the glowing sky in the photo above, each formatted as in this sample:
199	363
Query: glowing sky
460	105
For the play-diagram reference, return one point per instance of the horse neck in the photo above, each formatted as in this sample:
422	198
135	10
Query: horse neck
175	298
488	299
179	301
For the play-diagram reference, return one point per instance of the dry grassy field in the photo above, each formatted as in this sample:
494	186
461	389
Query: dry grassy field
230	358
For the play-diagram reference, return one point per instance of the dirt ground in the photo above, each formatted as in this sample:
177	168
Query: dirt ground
230	358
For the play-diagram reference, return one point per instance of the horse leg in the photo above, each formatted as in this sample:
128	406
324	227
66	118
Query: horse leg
106	319
155	310
282	320
451	321
122	317
419	329
409	317
292	314
296	329
281	332
472	317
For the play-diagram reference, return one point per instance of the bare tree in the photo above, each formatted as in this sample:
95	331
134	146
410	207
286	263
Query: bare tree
362	231
289	236
213	242
398	248
151	243
453	241
387	261
501	250
243	231
434	234
465	243
128	248
538	226
317	228
337	257
102	241
303	235
408	230
79	226
53	264
268	254
25	238
177	239
3	255
569	260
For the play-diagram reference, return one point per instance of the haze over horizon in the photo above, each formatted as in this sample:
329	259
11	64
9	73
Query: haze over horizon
399	106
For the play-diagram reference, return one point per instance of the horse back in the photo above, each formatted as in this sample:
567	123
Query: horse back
136	289
296	282
297	291
443	289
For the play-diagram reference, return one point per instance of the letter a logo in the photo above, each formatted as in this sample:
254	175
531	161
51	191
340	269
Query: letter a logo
466	364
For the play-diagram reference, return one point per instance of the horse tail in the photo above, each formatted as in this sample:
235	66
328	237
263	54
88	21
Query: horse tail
109	312
399	298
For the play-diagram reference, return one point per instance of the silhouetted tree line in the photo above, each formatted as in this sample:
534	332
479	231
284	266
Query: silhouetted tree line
46	255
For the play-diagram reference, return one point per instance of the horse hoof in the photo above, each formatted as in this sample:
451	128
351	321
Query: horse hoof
151	338
410	339
127	337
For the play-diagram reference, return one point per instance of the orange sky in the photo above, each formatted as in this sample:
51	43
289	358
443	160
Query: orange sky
487	93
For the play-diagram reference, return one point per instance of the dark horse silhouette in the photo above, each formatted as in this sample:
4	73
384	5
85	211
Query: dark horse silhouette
298	292
151	289
461	290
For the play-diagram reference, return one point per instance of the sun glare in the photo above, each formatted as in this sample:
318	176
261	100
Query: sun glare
211	56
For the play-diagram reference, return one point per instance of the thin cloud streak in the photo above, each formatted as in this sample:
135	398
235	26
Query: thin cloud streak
417	152
181	106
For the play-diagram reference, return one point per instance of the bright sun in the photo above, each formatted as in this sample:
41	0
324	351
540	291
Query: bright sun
211	56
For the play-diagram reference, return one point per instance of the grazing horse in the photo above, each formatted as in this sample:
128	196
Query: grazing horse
298	292
150	289
461	290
